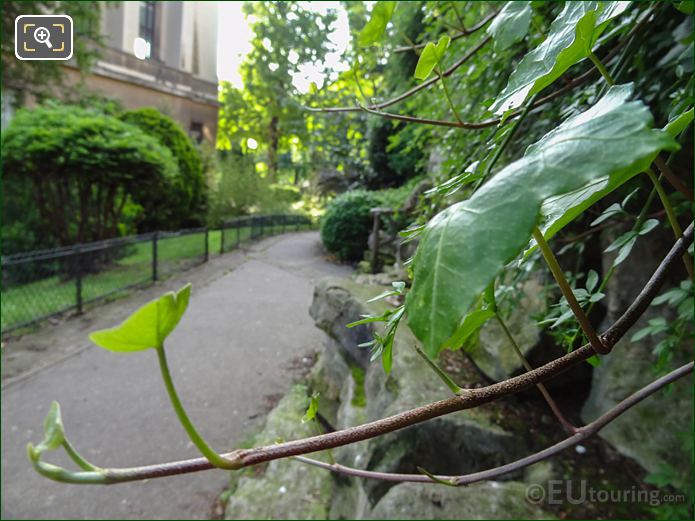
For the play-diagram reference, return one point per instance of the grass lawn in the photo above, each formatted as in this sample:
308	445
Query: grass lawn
32	301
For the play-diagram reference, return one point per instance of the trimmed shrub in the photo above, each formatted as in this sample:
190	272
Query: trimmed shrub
80	170
346	225
189	190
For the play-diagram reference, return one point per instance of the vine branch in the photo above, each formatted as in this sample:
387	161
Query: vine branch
580	435
463	33
467	399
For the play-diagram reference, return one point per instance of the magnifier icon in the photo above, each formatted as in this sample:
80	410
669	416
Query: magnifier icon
43	35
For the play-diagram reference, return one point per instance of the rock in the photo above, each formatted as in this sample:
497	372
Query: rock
489	500
328	377
411	202
496	358
493	354
331	181
338	302
286	489
653	432
457	443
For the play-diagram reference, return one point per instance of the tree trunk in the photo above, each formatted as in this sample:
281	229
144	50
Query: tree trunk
273	140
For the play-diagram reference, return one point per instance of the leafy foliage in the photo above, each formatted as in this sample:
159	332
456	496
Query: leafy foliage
346	224
82	170
571	38
44	79
465	246
189	190
511	24
376	27
148	327
431	57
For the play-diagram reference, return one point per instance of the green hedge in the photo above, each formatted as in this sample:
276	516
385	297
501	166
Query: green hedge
346	225
190	196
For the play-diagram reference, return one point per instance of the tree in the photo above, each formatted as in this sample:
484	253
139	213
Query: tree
44	78
188	192
83	170
287	37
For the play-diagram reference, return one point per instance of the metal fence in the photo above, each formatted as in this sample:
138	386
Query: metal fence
41	284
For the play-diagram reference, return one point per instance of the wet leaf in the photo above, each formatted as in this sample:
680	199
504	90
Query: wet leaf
464	247
510	25
571	35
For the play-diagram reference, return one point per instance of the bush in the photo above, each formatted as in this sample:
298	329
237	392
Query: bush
190	197
346	225
81	170
236	189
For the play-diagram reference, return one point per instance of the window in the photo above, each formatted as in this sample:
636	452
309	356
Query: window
196	131
147	10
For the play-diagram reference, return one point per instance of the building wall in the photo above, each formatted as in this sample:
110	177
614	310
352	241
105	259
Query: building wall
181	77
184	110
186	33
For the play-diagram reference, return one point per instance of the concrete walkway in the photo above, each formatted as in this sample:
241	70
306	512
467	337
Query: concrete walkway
245	336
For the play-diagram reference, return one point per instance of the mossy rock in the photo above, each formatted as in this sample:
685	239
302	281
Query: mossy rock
286	489
490	500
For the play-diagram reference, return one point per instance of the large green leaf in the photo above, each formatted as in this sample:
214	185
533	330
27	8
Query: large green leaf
464	247
376	26
510	25
571	36
148	327
559	211
431	56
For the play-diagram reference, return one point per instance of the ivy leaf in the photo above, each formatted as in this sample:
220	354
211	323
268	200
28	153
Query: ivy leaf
431	56
148	327
376	26
571	35
678	124
510	25
465	246
53	430
559	211
472	322
313	408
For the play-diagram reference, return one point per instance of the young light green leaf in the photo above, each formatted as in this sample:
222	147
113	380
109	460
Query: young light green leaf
147	327
591	280
367	319
313	408
510	25
431	57
678	124
472	322
53	431
464	247
376	26
575	30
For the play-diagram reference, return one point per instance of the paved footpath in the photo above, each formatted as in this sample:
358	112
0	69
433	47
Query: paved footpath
245	337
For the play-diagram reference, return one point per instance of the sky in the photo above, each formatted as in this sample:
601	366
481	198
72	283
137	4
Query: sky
235	34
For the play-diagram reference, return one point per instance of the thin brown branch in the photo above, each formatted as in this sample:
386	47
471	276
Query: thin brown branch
566	424
465	32
468	399
672	178
377	108
581	434
409	92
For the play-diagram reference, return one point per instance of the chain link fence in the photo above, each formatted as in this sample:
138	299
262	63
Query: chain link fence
41	284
